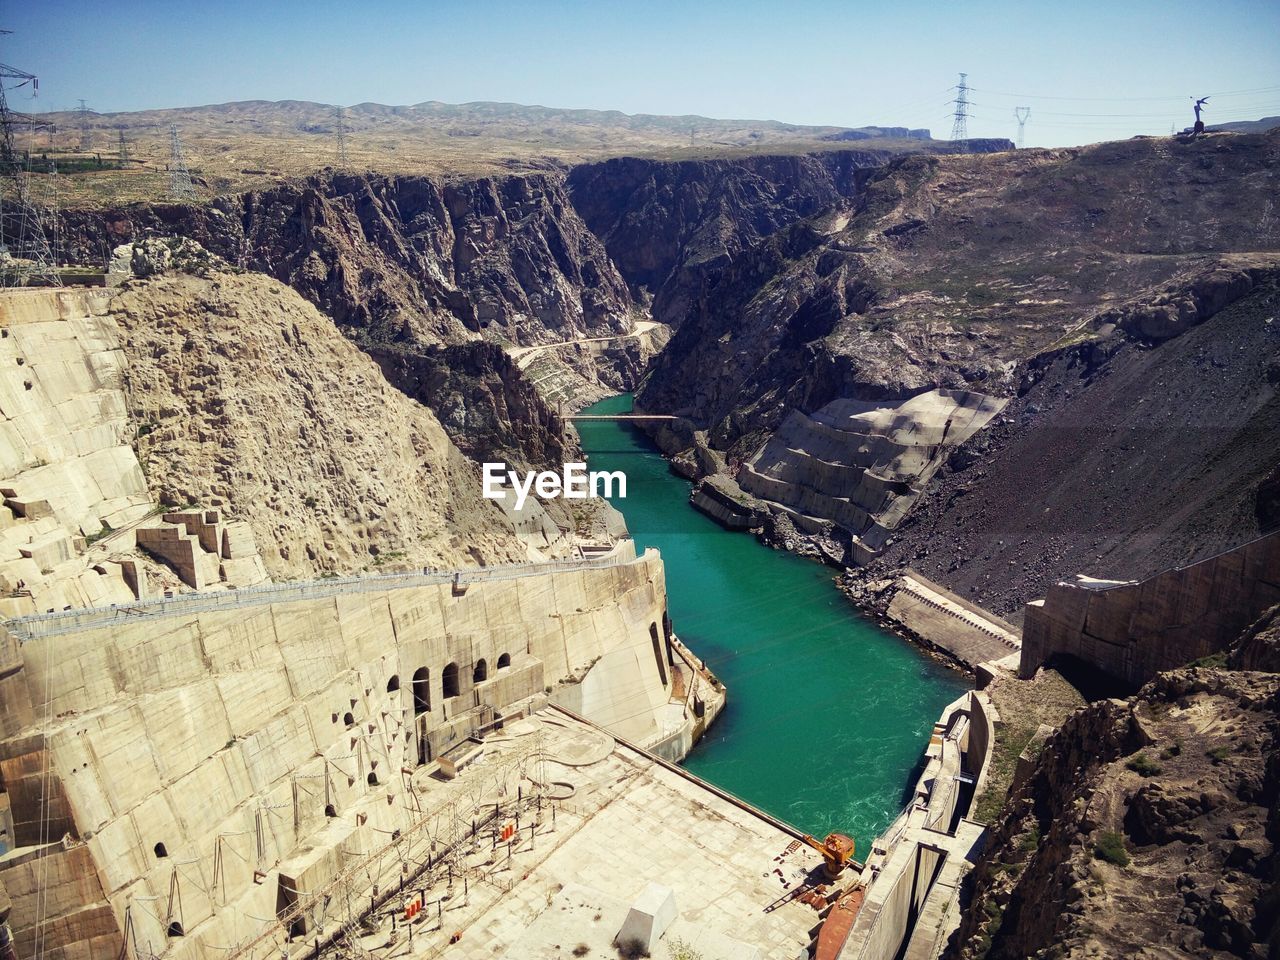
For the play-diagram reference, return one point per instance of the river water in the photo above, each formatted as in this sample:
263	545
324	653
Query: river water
828	715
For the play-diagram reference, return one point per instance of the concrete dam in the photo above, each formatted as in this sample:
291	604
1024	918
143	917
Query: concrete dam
240	747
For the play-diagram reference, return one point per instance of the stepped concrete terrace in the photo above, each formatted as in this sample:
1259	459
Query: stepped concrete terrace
862	465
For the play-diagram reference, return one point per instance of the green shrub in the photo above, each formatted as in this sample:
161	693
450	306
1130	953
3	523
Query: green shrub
1031	839
1110	847
1144	765
1213	660
1218	754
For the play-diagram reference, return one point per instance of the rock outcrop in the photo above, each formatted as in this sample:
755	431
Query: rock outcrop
403	258
489	410
243	392
665	223
1146	828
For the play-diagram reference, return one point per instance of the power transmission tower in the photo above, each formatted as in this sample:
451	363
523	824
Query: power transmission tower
123	149
960	128
25	252
86	134
180	185
1022	114
340	131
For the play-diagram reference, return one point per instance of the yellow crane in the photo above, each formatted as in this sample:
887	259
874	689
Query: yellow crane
836	850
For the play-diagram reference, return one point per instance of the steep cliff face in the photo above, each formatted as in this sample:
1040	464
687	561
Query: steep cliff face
245	392
1147	828
1118	457
948	269
666	223
489	410
958	272
405	258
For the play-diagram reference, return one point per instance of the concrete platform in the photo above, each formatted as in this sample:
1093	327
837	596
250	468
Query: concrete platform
569	882
964	630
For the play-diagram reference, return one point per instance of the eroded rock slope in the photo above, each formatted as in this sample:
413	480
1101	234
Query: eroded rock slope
243	391
1147	829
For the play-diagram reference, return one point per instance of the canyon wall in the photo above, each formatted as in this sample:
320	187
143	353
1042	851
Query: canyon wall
1124	326
1116	457
397	259
244	393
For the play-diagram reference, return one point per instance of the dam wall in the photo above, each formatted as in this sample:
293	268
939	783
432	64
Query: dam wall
68	471
193	760
917	865
1134	630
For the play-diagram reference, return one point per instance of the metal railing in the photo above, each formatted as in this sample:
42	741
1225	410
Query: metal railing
69	621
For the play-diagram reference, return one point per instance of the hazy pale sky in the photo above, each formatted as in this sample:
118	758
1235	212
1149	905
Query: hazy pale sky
1089	70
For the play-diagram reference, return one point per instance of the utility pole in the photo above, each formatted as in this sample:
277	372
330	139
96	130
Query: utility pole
960	127
180	185
340	130
86	134
1023	114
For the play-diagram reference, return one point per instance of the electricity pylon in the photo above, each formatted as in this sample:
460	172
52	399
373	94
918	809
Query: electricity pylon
1022	114
340	131
180	185
25	251
960	127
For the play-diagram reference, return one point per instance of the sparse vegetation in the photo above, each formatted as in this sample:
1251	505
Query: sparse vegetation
1218	754
632	949
1144	765
1031	839
1110	848
106	531
1215	661
678	949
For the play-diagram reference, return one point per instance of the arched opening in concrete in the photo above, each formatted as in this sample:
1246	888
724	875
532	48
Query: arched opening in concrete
330	810
657	652
424	750
449	681
372	778
481	672
504	661
349	719
394	683
421	690
175	929
161	851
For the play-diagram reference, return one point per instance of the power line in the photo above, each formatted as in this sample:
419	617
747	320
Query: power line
1022	114
24	243
1170	98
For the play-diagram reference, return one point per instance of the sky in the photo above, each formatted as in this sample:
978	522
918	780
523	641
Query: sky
1088	70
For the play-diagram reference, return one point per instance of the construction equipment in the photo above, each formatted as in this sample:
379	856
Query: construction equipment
836	850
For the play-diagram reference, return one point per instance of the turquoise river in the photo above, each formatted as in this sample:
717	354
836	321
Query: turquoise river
828	715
